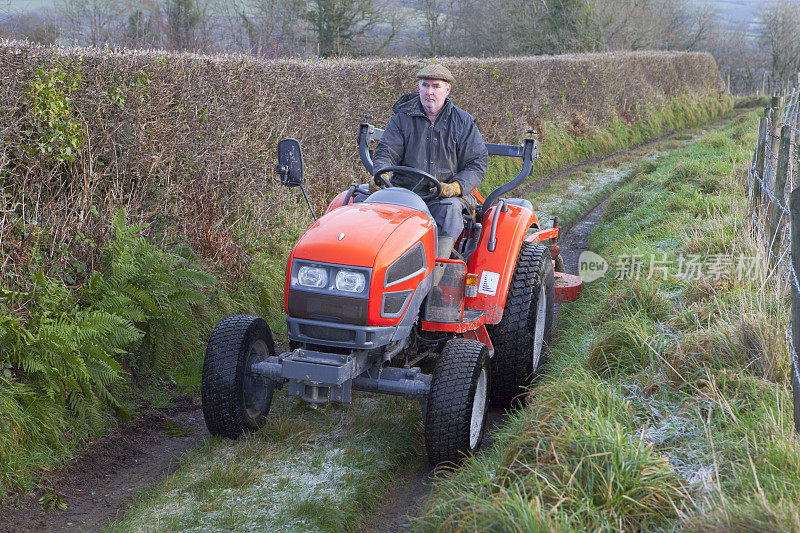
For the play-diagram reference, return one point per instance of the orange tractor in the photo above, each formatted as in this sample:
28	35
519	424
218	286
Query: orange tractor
365	314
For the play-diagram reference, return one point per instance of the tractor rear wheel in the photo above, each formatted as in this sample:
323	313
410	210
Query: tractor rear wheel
521	336
235	400
458	401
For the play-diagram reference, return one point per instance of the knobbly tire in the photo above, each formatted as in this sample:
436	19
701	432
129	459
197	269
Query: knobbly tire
236	401
521	336
458	401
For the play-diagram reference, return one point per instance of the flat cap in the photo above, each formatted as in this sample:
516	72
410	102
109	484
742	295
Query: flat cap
435	72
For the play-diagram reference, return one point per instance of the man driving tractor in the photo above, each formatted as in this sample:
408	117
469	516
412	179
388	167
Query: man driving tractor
430	133
362	295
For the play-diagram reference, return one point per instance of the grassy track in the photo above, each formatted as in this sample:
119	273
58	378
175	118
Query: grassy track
305	470
667	402
322	470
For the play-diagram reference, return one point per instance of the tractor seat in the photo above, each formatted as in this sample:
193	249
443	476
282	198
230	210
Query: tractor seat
398	196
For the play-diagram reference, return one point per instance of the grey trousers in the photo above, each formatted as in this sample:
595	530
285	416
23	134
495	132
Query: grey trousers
447	212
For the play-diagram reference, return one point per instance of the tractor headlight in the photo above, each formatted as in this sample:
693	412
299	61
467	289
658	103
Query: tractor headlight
312	276
350	281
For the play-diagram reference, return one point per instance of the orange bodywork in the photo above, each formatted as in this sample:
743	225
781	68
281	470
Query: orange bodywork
543	235
337	201
375	235
494	269
367	235
568	287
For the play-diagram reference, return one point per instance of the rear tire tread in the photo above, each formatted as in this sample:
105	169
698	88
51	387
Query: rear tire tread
512	337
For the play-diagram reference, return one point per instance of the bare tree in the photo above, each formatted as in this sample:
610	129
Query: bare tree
349	26
439	22
34	27
779	35
270	28
549	26
182	20
655	24
143	29
92	22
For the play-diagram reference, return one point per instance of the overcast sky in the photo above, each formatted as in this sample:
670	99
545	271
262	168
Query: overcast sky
732	10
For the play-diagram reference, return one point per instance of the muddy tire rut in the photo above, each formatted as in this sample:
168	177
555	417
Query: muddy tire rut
104	482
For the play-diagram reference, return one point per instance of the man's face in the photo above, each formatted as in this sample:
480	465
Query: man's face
432	94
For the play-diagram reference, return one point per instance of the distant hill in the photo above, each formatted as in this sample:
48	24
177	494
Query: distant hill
735	13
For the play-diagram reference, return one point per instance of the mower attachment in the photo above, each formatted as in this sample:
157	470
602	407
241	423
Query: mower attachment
568	287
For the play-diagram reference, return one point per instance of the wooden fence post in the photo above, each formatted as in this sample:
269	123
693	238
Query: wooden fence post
782	173
775	140
795	221
755	199
794	118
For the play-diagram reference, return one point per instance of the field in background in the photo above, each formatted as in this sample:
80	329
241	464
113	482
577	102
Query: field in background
98	319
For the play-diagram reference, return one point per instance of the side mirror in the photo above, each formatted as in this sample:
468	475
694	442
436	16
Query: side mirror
290	162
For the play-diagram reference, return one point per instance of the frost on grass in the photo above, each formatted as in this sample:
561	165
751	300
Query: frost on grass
675	432
280	497
552	203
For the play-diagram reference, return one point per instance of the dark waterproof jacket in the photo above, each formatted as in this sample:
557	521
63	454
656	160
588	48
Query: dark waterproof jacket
450	149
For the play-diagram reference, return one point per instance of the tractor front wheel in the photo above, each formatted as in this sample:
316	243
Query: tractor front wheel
235	400
521	336
455	420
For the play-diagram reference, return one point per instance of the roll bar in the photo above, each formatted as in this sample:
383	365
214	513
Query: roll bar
528	152
367	134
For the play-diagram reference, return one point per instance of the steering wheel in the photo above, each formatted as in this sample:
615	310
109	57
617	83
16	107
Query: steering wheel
424	178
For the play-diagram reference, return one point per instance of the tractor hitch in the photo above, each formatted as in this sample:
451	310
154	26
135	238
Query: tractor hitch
320	377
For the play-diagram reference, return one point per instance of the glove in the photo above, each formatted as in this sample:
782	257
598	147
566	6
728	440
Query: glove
451	189
374	187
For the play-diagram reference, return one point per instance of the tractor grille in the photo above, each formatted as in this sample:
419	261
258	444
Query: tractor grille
328	307
324	333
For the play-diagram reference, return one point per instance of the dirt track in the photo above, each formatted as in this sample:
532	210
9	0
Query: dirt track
102	484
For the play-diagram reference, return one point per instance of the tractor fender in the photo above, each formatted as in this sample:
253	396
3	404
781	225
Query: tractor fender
495	268
338	201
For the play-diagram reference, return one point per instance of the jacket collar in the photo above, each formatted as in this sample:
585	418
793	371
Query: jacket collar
411	105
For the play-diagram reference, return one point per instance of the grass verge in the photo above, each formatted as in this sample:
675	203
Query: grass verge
667	402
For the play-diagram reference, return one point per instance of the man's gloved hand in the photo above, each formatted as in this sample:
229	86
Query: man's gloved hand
374	187
451	189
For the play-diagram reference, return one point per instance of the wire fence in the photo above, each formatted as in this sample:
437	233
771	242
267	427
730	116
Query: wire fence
774	201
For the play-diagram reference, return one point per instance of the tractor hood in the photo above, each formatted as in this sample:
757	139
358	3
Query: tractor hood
365	235
390	245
